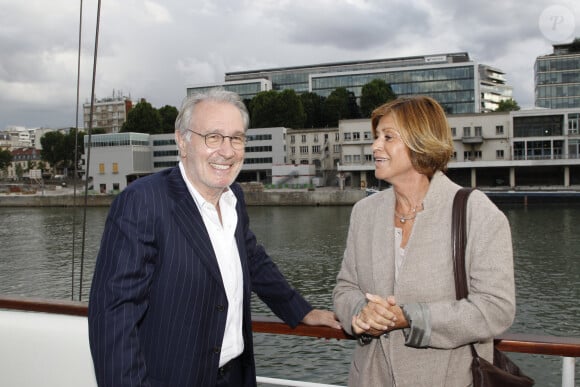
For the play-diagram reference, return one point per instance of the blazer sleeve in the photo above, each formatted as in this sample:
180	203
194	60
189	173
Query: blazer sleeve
489	309
267	281
118	298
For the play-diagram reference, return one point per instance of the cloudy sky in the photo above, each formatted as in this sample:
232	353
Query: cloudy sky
154	49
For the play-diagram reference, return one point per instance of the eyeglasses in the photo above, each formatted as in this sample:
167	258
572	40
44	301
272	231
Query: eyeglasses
215	140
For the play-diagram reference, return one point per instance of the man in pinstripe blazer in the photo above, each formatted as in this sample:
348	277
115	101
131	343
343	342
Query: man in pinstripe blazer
170	300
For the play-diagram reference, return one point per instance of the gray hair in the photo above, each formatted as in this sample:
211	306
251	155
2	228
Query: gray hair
186	115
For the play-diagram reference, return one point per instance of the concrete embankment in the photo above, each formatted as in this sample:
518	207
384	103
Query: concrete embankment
265	198
318	197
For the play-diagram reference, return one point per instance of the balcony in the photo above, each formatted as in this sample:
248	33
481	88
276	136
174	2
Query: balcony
472	140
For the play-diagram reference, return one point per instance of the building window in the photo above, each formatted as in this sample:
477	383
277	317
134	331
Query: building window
356	159
368	158
454	156
303	138
303	150
316	149
356	136
292	139
466	131
367	136
315	138
293	150
478	131
453	132
102	168
336	136
347	136
573	120
347	159
115	167
336	148
499	154
499	129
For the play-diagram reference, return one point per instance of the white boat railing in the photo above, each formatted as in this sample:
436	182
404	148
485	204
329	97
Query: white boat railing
40	338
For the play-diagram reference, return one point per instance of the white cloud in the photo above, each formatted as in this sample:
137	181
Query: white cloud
154	49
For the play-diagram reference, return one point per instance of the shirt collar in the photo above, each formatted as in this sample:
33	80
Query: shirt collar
227	196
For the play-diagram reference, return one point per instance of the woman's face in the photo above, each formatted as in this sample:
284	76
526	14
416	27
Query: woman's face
392	160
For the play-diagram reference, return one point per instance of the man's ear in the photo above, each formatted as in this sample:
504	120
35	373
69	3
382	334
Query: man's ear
181	143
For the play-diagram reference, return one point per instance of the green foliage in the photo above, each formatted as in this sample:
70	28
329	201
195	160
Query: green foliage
143	118
5	159
507	106
291	111
262	109
340	105
53	148
312	104
374	94
168	115
272	108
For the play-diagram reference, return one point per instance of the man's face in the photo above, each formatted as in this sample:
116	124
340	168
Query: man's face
211	170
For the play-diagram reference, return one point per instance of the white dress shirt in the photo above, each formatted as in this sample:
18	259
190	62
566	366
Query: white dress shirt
222	236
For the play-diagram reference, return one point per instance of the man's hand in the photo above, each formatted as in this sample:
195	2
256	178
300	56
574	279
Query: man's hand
322	317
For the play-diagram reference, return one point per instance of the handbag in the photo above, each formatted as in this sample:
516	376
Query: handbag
503	372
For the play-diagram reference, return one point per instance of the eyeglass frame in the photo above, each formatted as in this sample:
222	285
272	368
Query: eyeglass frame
219	135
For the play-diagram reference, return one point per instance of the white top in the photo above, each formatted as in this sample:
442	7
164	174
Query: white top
399	251
226	250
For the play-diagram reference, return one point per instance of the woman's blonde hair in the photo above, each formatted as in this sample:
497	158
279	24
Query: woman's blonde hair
424	129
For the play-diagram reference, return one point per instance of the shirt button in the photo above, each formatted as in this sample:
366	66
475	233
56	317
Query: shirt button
217	349
220	308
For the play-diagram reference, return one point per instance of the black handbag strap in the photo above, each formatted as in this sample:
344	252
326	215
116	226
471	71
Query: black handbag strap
459	239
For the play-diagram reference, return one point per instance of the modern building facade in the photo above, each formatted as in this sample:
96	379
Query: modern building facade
526	149
117	159
503	150
557	77
459	84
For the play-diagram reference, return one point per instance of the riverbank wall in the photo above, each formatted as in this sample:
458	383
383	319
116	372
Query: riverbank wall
316	197
264	198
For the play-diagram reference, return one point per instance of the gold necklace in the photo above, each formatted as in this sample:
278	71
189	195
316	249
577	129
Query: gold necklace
411	215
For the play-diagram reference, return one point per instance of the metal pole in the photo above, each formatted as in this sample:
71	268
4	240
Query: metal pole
568	365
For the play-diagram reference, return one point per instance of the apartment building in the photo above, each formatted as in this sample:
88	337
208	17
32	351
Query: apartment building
557	77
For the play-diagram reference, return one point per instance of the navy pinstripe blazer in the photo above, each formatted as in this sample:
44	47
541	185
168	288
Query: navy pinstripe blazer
157	307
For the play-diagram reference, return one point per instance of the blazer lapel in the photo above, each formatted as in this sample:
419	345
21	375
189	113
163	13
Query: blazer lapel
383	240
189	220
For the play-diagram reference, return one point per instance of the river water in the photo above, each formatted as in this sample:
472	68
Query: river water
36	249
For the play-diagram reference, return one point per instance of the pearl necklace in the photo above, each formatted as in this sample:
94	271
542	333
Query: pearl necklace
411	215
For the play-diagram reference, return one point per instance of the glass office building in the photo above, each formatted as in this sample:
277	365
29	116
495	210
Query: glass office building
557	77
454	80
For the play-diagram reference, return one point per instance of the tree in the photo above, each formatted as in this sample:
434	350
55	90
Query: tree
507	106
374	94
53	148
168	115
143	118
312	104
5	159
337	106
290	110
263	109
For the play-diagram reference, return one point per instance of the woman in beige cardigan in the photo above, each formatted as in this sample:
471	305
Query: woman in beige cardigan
395	290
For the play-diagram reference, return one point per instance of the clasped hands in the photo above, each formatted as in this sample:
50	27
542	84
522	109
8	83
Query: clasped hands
378	316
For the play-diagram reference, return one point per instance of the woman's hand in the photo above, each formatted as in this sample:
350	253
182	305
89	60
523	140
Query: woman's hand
377	316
